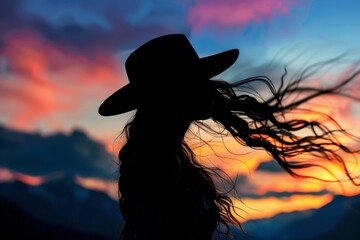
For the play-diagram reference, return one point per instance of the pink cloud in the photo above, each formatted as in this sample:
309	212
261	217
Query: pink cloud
237	13
46	81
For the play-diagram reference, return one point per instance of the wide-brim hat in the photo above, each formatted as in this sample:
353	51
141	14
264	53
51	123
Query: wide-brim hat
159	63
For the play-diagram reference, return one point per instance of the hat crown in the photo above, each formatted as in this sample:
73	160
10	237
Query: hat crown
168	54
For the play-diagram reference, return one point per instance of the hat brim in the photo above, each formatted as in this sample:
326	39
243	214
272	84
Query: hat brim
215	64
125	100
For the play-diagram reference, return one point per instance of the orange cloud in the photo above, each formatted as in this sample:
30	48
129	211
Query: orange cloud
226	153
7	175
46	82
233	158
250	209
30	180
107	186
237	13
261	182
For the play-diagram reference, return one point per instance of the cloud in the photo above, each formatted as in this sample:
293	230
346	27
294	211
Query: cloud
237	13
268	207
71	155
270	166
92	25
44	80
10	16
284	194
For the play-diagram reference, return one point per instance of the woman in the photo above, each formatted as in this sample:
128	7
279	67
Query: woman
165	192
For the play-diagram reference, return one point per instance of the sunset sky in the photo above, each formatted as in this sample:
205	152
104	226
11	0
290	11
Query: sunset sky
60	59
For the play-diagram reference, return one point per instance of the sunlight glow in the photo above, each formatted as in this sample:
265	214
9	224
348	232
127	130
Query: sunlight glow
107	186
268	207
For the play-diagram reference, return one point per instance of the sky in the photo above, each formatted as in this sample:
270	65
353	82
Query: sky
60	59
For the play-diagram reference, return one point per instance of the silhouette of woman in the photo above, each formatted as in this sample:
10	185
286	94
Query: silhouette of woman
165	193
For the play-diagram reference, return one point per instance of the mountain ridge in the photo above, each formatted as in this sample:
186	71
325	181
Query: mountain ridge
64	204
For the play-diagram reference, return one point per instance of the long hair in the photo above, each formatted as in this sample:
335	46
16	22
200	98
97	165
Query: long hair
271	124
192	179
258	122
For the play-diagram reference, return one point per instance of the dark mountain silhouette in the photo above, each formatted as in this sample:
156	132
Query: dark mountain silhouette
348	226
61	205
62	209
336	220
59	209
15	223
